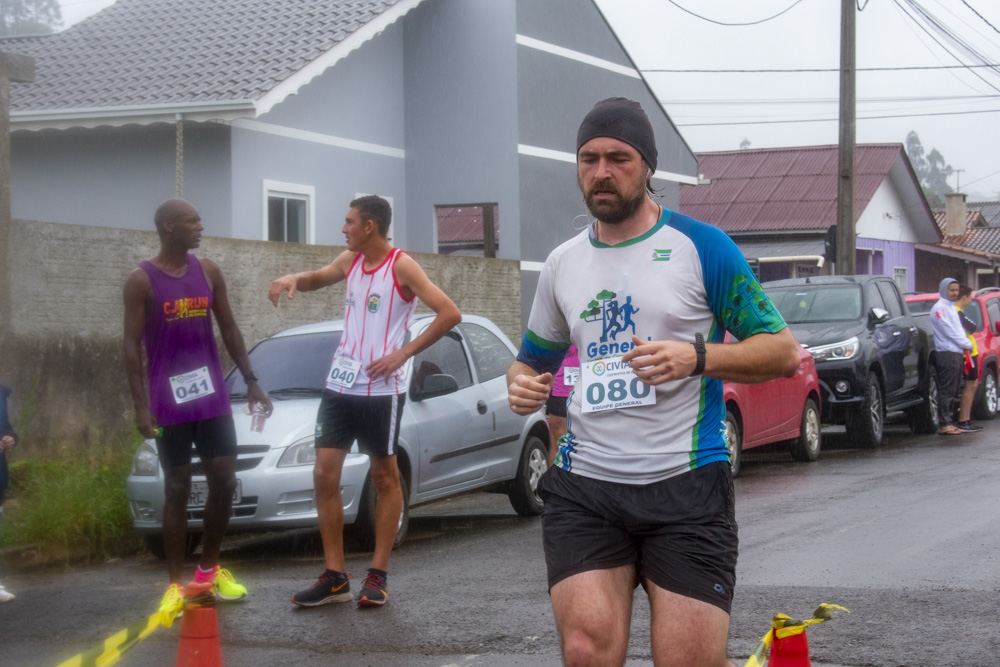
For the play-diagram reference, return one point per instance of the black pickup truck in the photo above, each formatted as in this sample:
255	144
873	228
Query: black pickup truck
872	356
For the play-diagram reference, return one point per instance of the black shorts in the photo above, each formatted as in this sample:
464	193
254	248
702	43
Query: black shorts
371	420
213	437
680	533
973	373
556	406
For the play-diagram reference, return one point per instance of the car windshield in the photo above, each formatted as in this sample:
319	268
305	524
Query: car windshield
817	303
975	315
289	364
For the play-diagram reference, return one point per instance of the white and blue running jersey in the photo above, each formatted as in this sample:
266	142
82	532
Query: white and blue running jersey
681	278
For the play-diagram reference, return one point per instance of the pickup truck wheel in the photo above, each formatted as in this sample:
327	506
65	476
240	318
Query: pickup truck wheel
734	443
865	426
523	496
924	418
989	403
364	525
806	447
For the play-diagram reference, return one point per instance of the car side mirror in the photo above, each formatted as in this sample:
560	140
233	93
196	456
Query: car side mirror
435	385
879	315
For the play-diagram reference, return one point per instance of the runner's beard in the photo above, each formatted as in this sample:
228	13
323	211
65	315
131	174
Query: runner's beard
616	211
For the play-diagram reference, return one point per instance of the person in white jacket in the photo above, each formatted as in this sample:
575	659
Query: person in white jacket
951	342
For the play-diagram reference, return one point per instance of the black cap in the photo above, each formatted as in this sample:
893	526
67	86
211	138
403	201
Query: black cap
622	119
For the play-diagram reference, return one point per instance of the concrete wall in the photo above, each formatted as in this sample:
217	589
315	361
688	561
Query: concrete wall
63	356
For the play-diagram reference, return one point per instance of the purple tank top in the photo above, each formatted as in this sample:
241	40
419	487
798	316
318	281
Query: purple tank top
185	377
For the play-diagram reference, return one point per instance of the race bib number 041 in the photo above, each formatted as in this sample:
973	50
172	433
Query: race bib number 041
344	372
610	384
191	386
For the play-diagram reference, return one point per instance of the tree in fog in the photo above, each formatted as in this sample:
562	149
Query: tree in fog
931	169
29	17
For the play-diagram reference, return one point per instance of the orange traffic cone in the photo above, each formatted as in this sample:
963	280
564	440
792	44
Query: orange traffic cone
791	651
199	645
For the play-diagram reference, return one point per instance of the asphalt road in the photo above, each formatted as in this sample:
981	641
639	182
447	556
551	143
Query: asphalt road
906	537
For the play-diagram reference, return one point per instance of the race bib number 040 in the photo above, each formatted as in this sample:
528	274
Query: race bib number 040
610	384
191	386
344	372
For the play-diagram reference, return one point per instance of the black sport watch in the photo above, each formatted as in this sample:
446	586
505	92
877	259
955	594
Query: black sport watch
252	377
699	349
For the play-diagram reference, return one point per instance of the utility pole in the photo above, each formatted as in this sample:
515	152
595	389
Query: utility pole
845	169
21	69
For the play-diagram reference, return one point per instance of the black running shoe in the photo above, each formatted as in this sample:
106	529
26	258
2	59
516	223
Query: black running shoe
969	426
328	589
374	592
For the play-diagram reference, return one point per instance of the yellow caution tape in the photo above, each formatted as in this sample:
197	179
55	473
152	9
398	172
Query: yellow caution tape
114	647
784	626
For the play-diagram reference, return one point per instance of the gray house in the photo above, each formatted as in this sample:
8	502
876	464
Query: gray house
271	116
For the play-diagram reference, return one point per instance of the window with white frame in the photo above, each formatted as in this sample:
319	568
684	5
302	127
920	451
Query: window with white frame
289	212
899	275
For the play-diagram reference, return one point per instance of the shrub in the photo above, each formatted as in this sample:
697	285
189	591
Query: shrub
72	506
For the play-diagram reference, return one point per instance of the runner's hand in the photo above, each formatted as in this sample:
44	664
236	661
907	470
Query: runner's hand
528	393
145	422
285	283
658	361
6	444
385	366
258	395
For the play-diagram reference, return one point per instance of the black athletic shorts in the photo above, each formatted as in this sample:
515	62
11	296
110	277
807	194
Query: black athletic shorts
213	437
556	406
973	372
371	420
680	533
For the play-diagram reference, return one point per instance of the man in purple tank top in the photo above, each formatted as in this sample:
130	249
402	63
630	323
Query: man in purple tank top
169	302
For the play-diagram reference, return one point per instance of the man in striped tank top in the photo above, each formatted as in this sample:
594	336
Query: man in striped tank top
366	386
169	303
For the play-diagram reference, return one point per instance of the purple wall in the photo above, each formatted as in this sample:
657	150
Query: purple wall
893	254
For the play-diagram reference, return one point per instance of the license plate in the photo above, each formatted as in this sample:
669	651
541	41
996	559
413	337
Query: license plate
199	494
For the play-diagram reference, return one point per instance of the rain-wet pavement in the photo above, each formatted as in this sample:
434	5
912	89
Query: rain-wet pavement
905	536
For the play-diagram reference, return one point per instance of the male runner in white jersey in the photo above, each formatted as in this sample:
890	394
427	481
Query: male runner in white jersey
641	489
366	387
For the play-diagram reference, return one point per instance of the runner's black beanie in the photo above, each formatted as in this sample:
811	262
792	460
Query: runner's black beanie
620	119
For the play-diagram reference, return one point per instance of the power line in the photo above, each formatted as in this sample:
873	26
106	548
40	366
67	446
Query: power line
705	18
816	69
979	15
833	120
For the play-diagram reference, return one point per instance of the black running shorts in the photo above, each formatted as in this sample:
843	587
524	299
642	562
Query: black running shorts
680	533
371	420
213	437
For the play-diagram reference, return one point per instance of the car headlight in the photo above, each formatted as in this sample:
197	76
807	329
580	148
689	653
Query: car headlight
145	463
843	350
301	453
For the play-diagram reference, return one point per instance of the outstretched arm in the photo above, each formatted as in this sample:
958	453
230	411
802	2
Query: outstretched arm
232	338
414	281
309	281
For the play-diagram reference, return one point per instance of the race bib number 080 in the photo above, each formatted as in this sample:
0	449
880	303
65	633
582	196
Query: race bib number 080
191	386
610	384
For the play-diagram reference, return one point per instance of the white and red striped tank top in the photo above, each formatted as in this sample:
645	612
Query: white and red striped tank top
376	315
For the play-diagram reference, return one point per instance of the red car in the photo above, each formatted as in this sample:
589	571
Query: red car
785	409
984	311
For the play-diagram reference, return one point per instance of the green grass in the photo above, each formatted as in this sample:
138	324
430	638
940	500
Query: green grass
71	506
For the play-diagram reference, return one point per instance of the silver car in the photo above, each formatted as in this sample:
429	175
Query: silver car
456	434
